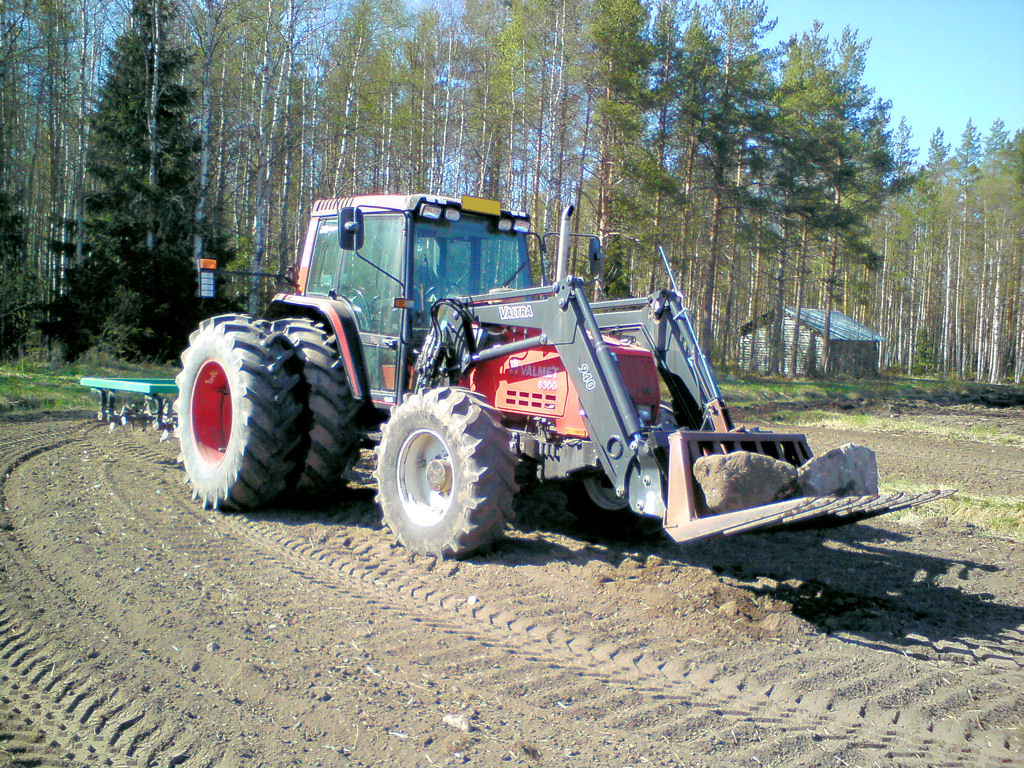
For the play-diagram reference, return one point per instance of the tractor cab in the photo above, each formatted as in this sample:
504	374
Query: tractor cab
385	259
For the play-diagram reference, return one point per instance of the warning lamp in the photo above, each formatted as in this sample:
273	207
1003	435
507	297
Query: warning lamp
207	278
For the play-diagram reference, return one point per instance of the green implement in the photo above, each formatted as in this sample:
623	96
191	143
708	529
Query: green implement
156	408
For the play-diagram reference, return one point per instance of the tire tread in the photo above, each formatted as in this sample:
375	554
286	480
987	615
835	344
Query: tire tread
330	440
263	369
486	465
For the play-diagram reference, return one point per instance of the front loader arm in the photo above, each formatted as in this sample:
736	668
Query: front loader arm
666	330
653	467
566	321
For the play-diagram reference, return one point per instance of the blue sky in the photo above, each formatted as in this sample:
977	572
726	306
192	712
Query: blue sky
939	62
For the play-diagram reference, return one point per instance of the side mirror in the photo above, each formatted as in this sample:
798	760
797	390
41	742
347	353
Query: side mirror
595	256
350	229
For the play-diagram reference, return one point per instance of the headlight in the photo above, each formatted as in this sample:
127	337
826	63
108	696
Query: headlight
645	412
428	211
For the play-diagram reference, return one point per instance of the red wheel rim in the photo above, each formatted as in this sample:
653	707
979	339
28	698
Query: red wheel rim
211	412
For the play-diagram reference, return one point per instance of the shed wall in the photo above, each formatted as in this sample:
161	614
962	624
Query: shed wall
849	358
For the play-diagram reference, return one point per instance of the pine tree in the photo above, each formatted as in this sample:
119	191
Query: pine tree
16	278
739	118
698	67
622	57
134	290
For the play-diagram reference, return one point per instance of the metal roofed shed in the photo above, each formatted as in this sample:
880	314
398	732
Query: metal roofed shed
854	347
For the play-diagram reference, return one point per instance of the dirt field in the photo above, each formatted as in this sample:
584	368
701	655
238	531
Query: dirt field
138	629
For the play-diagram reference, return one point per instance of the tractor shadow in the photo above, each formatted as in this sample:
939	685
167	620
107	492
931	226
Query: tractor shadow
868	582
350	504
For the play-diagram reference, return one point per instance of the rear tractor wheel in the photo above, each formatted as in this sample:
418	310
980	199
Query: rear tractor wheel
330	443
445	473
237	412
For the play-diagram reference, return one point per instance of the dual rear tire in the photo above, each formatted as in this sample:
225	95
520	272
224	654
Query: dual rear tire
263	408
330	443
238	412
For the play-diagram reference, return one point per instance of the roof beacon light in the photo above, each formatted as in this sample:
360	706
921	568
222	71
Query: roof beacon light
481	205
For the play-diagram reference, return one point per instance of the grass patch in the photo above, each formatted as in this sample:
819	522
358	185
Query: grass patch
1002	515
867	422
754	391
28	385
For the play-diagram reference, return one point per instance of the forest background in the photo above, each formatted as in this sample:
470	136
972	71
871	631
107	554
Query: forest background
135	139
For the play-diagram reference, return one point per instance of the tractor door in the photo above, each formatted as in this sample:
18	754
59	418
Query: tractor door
369	282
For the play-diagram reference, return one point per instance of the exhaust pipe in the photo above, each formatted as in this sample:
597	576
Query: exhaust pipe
562	265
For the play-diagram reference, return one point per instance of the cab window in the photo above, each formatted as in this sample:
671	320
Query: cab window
470	256
363	280
326	258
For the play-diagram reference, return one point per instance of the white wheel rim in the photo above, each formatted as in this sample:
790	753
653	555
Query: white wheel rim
424	504
602	494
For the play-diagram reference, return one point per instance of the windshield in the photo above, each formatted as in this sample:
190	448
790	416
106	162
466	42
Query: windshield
468	256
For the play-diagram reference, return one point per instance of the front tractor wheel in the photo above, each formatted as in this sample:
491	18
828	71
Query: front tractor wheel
598	509
445	473
237	412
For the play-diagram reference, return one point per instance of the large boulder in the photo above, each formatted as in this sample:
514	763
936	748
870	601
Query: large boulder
741	480
849	470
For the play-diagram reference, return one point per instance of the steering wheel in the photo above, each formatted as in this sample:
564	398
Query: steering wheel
432	293
452	289
357	299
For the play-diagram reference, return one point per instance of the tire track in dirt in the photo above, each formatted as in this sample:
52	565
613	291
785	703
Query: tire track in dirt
1006	653
872	726
75	718
21	443
72	714
464	643
671	701
725	699
535	651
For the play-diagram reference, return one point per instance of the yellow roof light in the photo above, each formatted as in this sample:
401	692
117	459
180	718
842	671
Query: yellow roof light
481	205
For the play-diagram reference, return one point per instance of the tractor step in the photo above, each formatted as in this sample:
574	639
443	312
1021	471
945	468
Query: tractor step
818	511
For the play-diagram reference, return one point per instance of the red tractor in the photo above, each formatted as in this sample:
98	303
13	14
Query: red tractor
415	327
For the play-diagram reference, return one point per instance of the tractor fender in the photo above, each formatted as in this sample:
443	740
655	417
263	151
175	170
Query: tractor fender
338	316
